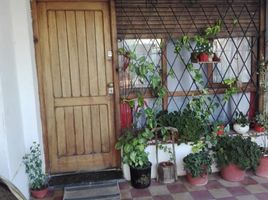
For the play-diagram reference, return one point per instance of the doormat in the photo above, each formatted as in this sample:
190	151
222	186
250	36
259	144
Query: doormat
98	191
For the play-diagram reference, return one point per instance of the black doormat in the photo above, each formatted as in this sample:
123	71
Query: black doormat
72	179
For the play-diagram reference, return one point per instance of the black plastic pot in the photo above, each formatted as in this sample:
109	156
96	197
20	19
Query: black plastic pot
141	177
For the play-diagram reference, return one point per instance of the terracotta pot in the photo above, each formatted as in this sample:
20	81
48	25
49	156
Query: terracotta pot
258	128
262	169
203	57
220	130
39	194
197	181
232	173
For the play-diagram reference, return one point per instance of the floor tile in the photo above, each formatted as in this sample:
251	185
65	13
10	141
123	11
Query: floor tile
140	192
262	196
182	196
213	184
125	194
159	190
124	185
228	183
248	181
220	193
176	188
255	189
247	197
238	191
163	197
201	195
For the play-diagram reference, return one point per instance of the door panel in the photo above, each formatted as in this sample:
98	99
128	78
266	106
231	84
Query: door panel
75	72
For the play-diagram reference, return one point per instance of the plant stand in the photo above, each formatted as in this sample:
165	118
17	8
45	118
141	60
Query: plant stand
166	171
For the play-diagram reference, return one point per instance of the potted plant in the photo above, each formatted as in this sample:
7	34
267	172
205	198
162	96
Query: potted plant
261	122
203	48
234	155
132	144
262	169
218	128
33	167
197	167
241	123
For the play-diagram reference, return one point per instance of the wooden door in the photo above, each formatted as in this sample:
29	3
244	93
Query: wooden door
74	40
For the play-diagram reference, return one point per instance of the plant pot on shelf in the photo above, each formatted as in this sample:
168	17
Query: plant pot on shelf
241	129
203	57
262	169
232	173
197	181
210	57
141	177
194	57
166	172
258	128
220	130
39	194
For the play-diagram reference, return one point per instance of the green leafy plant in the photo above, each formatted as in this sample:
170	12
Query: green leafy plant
241	119
33	168
145	71
133	144
262	119
237	150
231	88
198	164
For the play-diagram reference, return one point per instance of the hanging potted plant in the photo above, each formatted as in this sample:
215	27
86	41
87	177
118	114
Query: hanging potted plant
33	167
234	155
197	167
261	122
241	123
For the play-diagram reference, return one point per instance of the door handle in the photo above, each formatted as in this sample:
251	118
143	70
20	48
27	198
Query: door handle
110	87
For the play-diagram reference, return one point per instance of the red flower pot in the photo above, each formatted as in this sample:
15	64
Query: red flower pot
233	173
262	169
197	181
258	128
39	194
203	57
220	130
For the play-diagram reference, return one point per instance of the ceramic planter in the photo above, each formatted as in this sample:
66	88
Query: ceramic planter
203	57
241	129
232	173
262	169
258	128
39	194
141	177
197	181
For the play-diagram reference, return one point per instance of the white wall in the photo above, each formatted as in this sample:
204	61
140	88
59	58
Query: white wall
19	108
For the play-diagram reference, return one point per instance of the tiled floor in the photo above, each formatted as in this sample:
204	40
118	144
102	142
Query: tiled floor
251	188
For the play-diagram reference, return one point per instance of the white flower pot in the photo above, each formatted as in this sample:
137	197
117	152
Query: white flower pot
240	129
181	151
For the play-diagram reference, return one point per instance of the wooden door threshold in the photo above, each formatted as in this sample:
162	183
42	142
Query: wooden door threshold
80	178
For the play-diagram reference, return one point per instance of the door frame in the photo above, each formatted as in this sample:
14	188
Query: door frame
39	67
